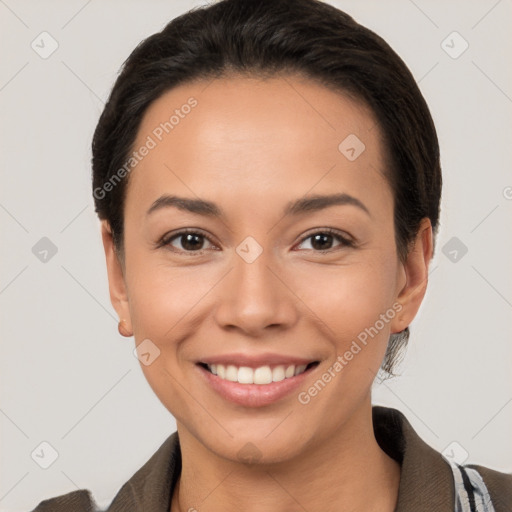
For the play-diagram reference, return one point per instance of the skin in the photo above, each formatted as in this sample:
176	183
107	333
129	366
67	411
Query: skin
251	146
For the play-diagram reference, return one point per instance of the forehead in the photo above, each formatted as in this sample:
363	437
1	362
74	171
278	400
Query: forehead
271	137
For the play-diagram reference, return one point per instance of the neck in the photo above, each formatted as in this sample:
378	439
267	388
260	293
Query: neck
348	472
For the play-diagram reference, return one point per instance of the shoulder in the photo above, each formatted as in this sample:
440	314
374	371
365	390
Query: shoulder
148	489
426	475
498	484
76	501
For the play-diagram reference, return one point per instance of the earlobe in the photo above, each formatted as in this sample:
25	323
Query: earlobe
123	330
415	268
116	281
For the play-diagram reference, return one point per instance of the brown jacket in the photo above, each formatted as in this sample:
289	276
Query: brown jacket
426	480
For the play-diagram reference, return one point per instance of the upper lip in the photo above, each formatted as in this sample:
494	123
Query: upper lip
255	361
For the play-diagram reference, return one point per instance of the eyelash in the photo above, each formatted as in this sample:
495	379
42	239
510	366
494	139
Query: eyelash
166	240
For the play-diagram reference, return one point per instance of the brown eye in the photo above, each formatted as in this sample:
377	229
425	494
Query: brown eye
186	241
323	240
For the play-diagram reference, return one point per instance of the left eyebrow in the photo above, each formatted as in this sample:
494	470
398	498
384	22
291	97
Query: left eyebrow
319	202
297	207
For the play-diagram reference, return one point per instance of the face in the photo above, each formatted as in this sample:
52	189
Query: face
290	267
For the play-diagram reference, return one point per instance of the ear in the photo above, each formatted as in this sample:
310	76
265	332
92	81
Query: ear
116	280
415	270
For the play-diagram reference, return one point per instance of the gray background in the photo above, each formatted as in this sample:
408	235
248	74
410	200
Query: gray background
67	376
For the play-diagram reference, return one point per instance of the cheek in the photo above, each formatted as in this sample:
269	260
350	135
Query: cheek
349	301
164	305
164	300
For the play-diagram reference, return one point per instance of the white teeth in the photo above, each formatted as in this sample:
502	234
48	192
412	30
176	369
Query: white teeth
290	371
278	374
300	369
260	375
245	375
232	373
263	375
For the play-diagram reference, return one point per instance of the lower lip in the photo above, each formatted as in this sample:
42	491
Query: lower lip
254	395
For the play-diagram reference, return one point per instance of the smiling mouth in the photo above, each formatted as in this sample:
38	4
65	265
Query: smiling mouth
265	374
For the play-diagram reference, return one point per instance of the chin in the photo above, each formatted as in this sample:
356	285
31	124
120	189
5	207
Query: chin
253	448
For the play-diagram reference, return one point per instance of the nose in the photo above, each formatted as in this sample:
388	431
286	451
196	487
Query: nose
255	297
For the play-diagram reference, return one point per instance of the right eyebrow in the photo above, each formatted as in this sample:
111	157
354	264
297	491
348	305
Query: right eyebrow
198	206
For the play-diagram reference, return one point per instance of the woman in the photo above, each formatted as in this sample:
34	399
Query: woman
267	175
